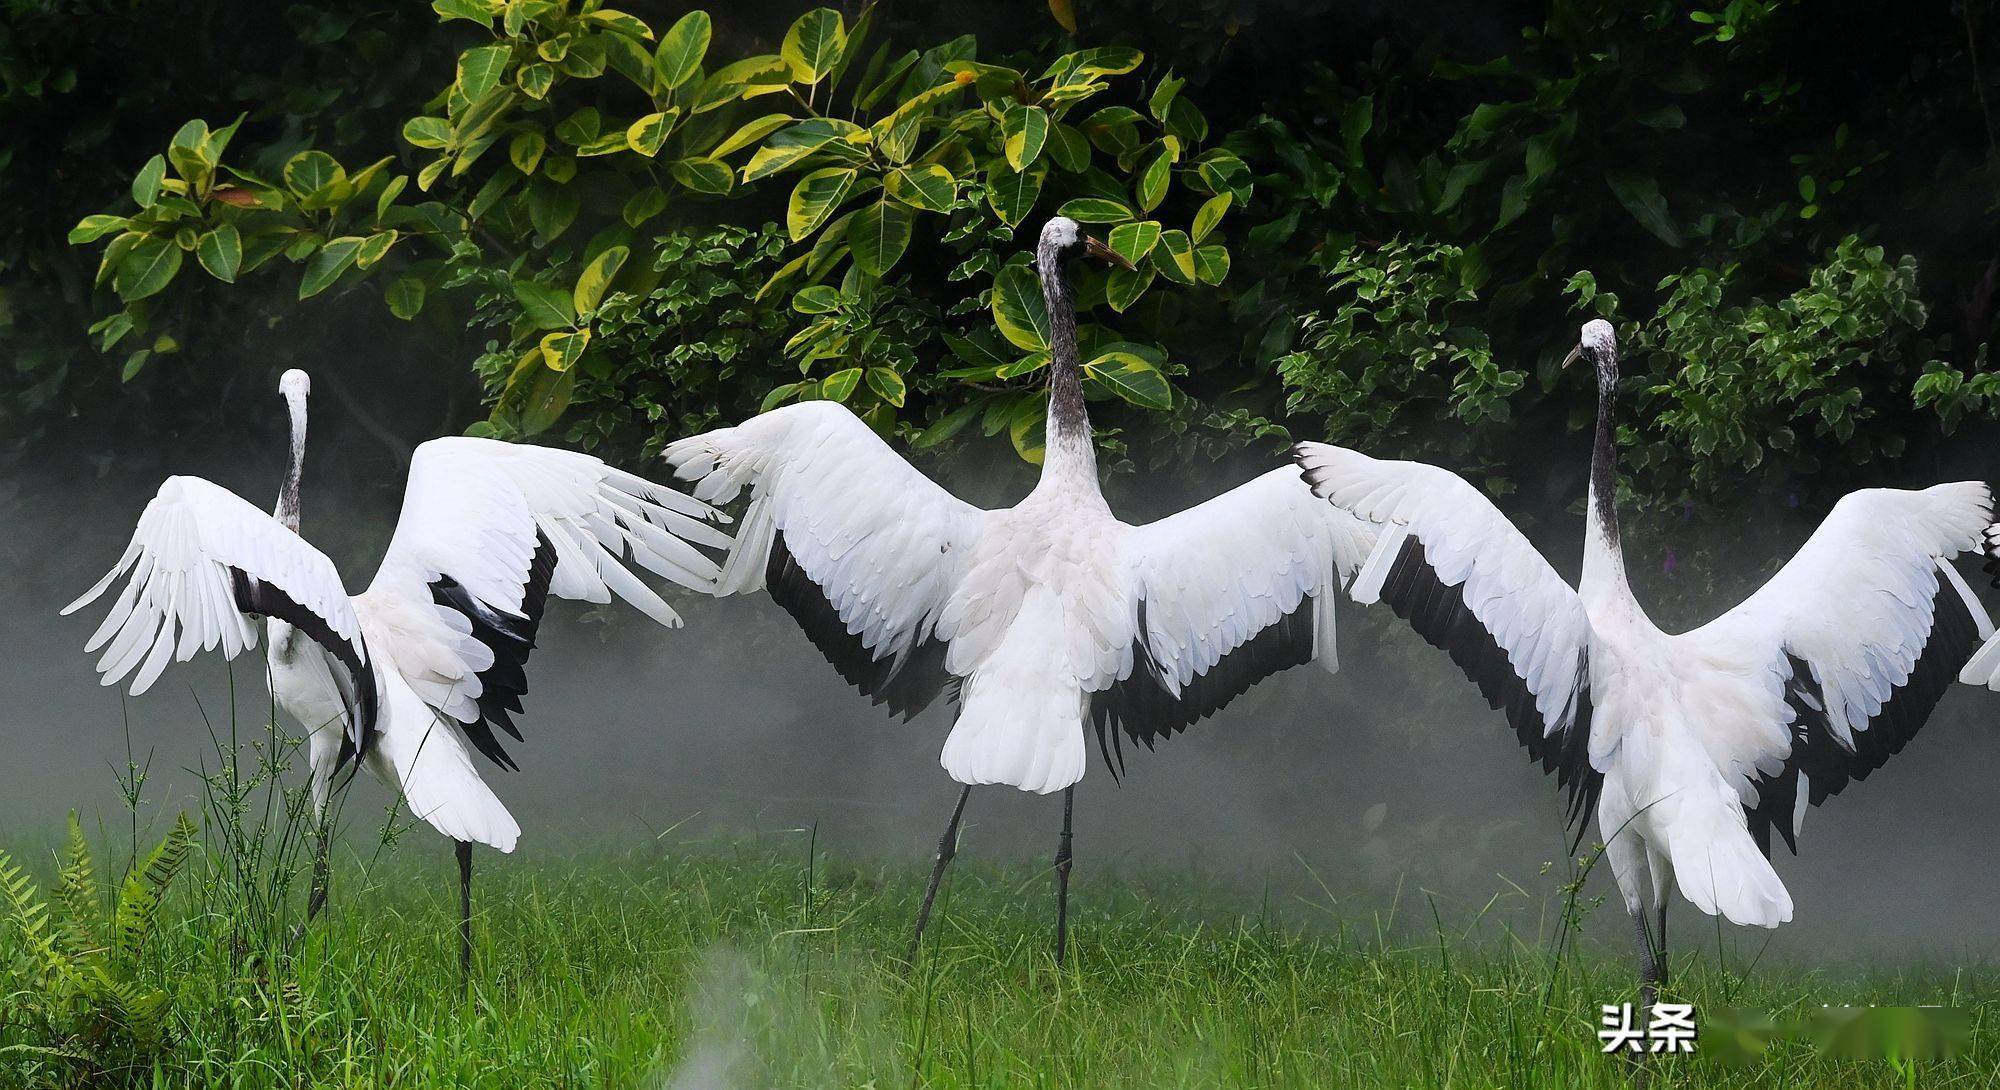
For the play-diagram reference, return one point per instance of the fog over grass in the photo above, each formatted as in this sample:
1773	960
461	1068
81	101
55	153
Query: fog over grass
1384	782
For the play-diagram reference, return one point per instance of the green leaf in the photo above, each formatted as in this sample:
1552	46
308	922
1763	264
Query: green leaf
1026	130
1011	194
621	22
1224	173
751	133
580	127
1124	286
561	350
1019	310
814	44
405	296
221	252
325	267
815	198
1132	378
92	228
929	187
1210	214
1152	185
1174	257
644	205
146	183
309	172
1133	241
551	209
788	146
147	268
743	79
1640	194
703	175
649	132
817	299
525	150
597	277
1027	428
1163	96
781	394
479	70
475	11
840	385
374	248
1069	148
680	53
1095	210
534	80
878	235
888	385
545	307
1211	264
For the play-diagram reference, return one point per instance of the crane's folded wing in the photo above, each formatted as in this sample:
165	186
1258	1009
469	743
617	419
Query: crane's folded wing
1227	593
1452	565
1853	642
857	545
204	562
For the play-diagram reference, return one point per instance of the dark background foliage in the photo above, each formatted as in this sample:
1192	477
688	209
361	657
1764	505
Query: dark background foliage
1788	210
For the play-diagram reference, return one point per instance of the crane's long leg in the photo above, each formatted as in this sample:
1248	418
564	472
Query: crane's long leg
1062	877
464	911
946	849
1660	959
321	875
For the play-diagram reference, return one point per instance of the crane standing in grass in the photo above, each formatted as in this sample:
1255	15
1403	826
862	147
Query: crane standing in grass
1039	619
411	676
1691	747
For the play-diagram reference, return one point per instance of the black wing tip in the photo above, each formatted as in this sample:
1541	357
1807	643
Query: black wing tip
261	599
512	641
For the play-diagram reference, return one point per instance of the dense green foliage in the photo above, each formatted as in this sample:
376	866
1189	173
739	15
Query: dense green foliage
633	225
758	967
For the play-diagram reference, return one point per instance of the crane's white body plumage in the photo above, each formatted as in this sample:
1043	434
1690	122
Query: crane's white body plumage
1037	604
475	515
1698	740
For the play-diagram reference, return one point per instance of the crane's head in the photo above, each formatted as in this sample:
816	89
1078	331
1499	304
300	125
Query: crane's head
1061	237
295	385
1599	342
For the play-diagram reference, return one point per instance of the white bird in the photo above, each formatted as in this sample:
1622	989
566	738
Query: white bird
1692	747
412	675
1040	618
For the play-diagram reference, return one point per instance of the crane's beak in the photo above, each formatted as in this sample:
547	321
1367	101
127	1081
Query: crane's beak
1104	253
1574	354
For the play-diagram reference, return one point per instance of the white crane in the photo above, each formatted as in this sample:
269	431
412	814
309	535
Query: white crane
1038	619
412	675
1691	747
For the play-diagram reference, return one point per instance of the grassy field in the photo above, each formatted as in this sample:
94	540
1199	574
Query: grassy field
748	968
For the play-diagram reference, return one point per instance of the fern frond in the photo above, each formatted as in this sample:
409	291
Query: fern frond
139	902
31	920
82	922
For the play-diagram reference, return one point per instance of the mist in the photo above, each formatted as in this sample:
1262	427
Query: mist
1389	785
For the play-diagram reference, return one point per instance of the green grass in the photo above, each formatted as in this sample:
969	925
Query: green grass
739	968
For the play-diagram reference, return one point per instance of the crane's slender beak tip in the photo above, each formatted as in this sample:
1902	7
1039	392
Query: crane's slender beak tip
1105	253
1574	354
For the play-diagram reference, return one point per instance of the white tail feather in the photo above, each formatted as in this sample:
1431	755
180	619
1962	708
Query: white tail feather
1720	869
1021	721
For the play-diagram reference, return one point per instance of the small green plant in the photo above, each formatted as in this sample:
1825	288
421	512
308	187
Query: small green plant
78	993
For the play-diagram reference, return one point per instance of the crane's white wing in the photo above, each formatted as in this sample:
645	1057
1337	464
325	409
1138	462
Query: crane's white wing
203	563
487	532
1227	593
860	548
1452	565
1852	643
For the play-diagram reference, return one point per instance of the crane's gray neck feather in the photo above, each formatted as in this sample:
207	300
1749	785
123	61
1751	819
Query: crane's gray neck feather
1069	448
1603	554
288	493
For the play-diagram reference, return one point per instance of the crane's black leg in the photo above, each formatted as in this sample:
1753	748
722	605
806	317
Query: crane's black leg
1062	878
1660	960
1650	957
321	876
946	849
464	911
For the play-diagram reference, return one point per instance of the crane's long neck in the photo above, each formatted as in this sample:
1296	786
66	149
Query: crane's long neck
288	494
1070	451
1603	555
